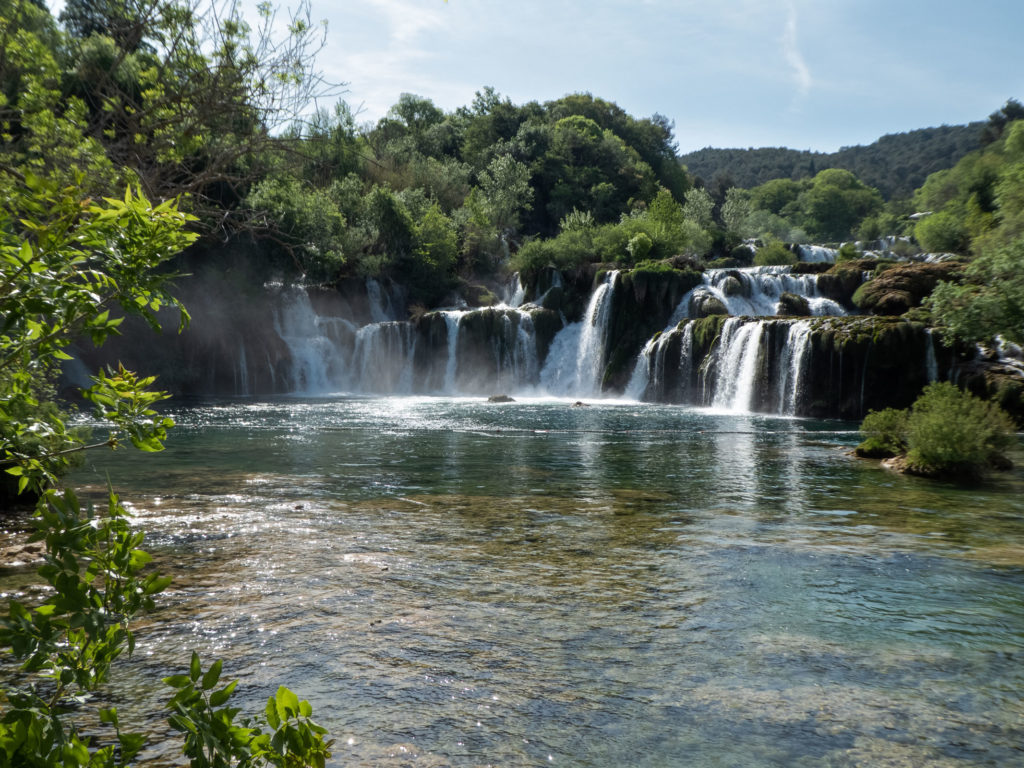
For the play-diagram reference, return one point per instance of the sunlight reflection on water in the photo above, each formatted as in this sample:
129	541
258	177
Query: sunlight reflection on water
614	584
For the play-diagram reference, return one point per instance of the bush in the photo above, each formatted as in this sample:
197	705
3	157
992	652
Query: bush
942	232
774	254
885	434
848	252
954	432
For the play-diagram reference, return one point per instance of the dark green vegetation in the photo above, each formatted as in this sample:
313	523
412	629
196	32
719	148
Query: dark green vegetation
946	432
895	165
124	102
85	114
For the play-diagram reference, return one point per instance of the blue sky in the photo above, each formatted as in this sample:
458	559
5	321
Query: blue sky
807	74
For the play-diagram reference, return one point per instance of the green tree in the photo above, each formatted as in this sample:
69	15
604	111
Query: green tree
175	96
736	211
835	203
699	207
430	266
989	303
66	264
505	185
942	232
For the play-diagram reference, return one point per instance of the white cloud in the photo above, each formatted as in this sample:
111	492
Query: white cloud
791	51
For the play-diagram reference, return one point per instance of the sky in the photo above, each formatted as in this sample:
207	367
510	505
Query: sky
805	74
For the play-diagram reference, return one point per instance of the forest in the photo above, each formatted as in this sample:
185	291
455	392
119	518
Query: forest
142	139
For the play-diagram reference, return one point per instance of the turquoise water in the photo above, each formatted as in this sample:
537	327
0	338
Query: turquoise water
451	582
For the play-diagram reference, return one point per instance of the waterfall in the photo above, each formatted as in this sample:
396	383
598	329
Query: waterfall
931	362
382	362
524	362
381	308
452	319
755	292
242	381
817	254
650	377
514	292
312	351
793	367
640	379
576	360
737	366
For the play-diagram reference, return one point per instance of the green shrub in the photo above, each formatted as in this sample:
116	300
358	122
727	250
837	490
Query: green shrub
885	433
652	267
772	254
942	232
848	252
954	432
639	246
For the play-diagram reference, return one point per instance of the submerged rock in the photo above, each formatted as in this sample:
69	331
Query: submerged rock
500	399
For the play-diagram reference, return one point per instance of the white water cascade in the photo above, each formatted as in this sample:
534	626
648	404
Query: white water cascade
382	361
931	362
756	292
817	254
794	365
313	341
738	356
648	381
576	360
452	318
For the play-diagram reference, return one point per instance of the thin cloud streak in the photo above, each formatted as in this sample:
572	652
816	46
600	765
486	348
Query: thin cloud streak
791	50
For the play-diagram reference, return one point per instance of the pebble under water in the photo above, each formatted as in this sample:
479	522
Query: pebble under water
453	582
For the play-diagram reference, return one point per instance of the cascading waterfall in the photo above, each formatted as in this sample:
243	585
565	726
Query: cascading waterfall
793	366
736	368
381	310
576	359
313	352
382	361
756	291
817	254
452	319
649	380
931	362
242	373
514	293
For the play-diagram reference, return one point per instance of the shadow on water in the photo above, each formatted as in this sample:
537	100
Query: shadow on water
452	582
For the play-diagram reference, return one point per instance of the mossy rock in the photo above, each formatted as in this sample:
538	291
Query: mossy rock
477	295
897	289
874	449
553	298
708	306
793	305
705	331
732	286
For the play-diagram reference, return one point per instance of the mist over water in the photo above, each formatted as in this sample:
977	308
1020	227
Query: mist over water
451	582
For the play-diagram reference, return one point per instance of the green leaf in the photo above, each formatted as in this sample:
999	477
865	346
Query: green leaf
109	716
271	712
212	675
178	681
219	698
287	703
195	669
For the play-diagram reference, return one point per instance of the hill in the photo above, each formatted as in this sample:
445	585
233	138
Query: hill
896	164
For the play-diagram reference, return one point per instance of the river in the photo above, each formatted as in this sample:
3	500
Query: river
453	582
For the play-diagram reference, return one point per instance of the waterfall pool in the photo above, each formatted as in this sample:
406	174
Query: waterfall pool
452	582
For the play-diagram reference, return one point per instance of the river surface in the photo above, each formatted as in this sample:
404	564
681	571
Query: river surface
452	582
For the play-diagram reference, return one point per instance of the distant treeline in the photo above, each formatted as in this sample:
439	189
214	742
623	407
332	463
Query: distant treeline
895	165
